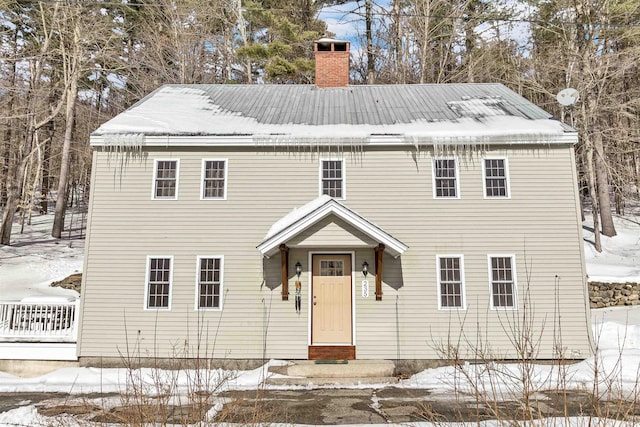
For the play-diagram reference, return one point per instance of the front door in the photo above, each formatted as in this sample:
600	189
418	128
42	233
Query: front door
331	317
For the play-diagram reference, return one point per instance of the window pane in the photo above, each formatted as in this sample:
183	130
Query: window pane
445	177
450	282
331	268
495	177
209	284
166	174
213	187
502	284
159	282
332	178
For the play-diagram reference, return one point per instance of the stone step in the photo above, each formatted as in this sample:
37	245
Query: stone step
307	382
337	369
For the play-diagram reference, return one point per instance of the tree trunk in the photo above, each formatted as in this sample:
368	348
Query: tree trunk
604	200
594	198
370	59
61	199
397	44
8	133
14	188
44	186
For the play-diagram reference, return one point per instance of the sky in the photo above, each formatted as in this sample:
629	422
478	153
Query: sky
346	21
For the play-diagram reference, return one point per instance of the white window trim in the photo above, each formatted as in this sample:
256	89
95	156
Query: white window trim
202	174
433	178
155	176
146	283
344	175
197	293
506	175
513	275
462	282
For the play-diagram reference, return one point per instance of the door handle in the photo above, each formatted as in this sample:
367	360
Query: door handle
314	300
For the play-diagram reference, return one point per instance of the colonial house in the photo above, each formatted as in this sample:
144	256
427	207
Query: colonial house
403	222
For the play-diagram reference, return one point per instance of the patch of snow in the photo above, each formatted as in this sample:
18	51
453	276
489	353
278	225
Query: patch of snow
619	260
47	299
35	260
296	215
23	416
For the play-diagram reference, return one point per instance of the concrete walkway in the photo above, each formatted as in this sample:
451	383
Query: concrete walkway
324	406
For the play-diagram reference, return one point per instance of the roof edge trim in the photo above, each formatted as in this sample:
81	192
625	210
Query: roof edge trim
288	140
332	207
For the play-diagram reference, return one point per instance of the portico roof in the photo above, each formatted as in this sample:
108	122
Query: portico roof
304	217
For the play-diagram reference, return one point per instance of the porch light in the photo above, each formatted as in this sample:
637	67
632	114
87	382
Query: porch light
298	269
365	268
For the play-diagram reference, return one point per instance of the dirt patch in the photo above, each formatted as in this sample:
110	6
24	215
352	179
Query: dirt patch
73	282
68	409
153	414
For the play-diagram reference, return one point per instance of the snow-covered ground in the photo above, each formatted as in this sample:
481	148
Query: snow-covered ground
35	260
619	260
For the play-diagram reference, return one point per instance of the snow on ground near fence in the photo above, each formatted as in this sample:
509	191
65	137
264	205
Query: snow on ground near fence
35	260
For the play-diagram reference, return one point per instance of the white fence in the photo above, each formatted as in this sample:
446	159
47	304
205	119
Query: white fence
39	321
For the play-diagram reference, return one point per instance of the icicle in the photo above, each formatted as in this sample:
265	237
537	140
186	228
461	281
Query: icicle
126	142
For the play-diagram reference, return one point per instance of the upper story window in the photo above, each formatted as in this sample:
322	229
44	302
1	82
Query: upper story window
450	281
158	289
445	178
332	178
214	179
503	281
209	282
496	178
165	184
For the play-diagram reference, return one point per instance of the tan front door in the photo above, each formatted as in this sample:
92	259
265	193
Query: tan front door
331	300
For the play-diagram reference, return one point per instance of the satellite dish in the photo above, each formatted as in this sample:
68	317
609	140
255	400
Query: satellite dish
568	97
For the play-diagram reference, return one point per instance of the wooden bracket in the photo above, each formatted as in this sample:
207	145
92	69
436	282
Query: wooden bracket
284	264
379	252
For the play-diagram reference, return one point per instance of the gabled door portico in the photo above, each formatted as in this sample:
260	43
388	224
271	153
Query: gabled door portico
328	233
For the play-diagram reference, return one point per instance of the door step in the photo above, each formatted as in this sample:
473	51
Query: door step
318	372
306	382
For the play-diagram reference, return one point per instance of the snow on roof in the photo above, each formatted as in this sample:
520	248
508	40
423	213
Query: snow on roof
304	112
296	214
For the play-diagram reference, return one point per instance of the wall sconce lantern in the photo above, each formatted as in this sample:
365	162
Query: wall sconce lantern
365	268
298	269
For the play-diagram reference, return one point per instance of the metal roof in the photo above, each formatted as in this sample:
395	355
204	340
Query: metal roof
366	104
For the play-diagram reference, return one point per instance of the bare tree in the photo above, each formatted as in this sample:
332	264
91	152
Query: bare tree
35	114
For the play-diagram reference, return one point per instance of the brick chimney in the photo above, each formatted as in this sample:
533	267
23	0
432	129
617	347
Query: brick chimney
332	62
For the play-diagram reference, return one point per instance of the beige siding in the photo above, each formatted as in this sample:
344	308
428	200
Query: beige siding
332	231
392	188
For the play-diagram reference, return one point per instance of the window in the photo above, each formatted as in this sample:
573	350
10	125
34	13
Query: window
158	282
332	178
214	179
503	283
209	282
166	179
331	268
445	181
450	281
495	178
